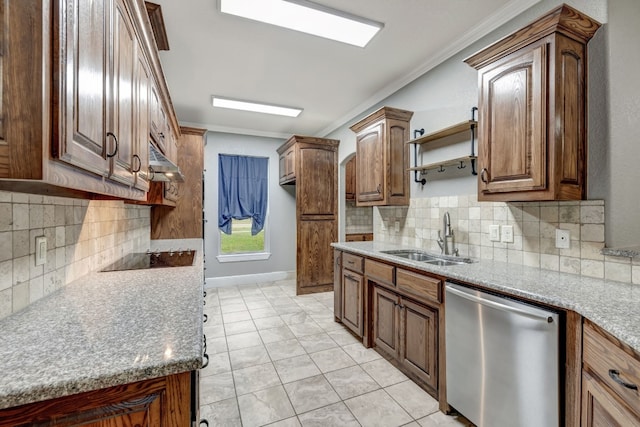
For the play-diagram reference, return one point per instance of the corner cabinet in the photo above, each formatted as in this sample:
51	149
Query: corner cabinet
311	164
74	111
532	110
383	158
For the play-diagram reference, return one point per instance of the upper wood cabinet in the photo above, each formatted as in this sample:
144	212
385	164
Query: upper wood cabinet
312	165
350	179
532	110
74	115
383	158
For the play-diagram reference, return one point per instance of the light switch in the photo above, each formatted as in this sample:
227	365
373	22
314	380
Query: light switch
494	233
41	250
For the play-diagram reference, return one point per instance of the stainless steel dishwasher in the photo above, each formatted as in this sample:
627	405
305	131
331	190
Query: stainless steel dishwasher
502	360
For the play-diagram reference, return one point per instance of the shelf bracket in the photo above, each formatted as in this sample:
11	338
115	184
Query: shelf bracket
473	140
422	181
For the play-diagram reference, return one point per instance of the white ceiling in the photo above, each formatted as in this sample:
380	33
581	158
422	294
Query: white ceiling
213	53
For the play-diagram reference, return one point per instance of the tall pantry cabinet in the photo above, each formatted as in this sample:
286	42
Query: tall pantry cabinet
311	164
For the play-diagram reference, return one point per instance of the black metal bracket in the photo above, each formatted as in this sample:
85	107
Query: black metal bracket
422	181
473	141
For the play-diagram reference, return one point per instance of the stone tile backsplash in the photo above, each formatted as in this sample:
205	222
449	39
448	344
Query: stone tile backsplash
82	236
534	226
359	219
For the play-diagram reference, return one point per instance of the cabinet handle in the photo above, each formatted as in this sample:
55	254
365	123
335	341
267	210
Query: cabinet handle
379	189
205	318
615	375
205	422
116	149
483	175
136	170
161	135
205	357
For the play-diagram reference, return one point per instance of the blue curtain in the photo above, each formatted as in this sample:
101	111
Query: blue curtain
242	191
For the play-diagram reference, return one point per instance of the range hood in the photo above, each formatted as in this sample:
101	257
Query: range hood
161	168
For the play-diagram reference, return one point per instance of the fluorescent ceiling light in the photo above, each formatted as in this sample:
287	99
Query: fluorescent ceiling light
307	17
235	104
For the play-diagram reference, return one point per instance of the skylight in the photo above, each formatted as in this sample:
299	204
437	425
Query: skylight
256	107
307	17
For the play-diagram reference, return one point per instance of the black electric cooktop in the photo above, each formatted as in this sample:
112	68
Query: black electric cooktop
143	260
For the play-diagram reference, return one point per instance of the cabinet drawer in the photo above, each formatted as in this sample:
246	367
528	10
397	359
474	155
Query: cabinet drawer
352	262
424	287
603	356
379	272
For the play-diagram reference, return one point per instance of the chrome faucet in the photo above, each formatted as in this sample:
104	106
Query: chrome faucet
447	242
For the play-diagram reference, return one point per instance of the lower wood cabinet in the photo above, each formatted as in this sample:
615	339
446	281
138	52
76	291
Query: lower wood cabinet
352	301
160	402
601	408
408	332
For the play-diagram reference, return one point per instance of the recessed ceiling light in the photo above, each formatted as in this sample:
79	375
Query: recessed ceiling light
236	104
307	17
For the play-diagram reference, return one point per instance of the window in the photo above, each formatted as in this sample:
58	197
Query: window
242	207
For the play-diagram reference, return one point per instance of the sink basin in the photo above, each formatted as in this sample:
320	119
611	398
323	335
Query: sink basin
416	255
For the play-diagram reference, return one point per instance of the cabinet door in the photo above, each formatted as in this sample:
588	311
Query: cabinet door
352	301
419	349
370	164
397	191
337	284
158	119
314	259
512	145
386	331
317	181
601	409
290	163
122	115
141	125
83	77
350	179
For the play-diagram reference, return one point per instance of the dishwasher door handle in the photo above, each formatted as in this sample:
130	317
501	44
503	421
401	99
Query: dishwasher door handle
497	305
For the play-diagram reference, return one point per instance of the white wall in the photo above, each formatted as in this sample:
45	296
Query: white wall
281	210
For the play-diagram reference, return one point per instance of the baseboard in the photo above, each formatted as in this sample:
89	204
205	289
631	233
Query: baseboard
248	279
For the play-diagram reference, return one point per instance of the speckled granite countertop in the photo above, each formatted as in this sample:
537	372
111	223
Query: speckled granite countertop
102	330
614	306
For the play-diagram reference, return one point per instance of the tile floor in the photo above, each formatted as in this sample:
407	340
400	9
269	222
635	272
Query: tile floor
279	359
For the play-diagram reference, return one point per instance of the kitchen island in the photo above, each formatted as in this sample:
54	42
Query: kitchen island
105	330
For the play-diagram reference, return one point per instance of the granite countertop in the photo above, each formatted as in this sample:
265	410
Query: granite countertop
614	306
105	329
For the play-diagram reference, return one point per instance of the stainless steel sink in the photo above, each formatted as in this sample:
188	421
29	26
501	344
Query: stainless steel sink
417	255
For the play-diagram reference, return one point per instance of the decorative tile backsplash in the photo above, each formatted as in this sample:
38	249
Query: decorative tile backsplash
534	228
82	236
358	219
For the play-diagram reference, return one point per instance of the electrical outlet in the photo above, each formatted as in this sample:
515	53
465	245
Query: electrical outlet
563	239
397	226
41	250
494	233
507	233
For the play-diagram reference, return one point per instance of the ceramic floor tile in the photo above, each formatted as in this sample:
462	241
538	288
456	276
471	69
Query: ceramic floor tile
248	339
218	363
269	322
342	337
332	359
264	406
284	349
310	393
237	316
239	327
317	342
284	310
296	368
417	402
232	308
306	328
276	334
360	353
222	414
351	382
383	372
336	415
213	331
217	345
330	325
252	305
282	301
289	422
377	409
215	388
250	356
438	419
260	313
231	300
296	317
412	424
255	378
